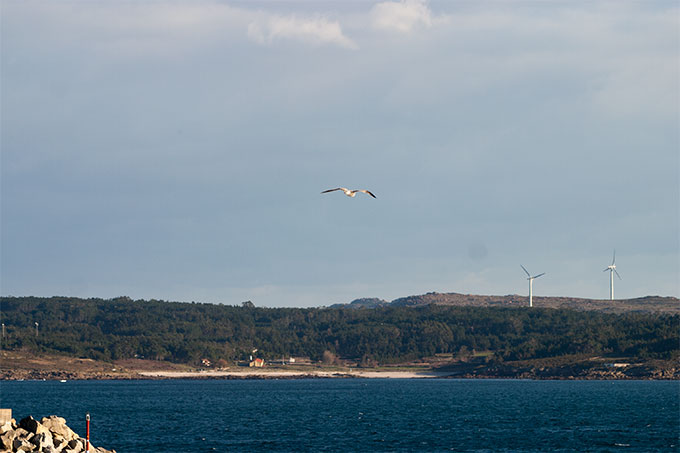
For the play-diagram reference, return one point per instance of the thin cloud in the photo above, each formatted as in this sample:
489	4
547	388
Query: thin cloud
404	16
313	31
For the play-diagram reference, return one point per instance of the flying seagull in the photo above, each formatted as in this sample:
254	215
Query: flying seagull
350	193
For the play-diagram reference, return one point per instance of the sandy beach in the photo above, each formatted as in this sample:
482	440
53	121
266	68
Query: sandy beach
250	373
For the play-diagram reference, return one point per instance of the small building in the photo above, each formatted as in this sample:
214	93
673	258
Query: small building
617	365
300	360
259	363
206	362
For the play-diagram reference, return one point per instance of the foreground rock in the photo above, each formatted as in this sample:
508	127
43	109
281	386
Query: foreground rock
49	435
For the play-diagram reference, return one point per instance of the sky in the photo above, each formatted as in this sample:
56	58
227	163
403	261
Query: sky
178	150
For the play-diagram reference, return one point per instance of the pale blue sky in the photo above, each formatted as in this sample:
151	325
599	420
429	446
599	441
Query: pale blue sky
177	150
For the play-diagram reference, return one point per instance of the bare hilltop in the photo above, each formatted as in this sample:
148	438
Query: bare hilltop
648	304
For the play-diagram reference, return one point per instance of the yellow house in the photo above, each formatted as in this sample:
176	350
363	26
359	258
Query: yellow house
259	363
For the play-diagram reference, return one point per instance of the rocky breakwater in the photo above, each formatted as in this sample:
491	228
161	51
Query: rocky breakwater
49	435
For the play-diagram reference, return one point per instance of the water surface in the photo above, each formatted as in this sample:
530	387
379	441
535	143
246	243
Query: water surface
339	415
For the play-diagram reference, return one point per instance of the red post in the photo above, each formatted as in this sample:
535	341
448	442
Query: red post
87	433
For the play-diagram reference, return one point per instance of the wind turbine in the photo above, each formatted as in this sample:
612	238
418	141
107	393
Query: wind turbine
612	269
531	285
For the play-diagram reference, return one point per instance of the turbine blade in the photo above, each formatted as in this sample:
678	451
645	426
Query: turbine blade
527	272
536	276
617	274
606	269
614	258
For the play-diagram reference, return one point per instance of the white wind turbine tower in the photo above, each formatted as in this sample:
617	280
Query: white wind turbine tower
531	285
612	269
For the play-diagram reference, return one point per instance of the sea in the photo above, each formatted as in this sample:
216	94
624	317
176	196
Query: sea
360	415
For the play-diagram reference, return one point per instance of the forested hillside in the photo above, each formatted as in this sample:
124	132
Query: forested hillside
186	332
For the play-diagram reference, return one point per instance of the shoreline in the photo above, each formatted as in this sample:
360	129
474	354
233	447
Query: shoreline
161	375
15	366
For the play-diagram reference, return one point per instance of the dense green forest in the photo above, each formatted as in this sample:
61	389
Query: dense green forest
186	332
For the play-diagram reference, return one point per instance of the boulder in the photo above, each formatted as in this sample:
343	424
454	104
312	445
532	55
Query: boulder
9	425
6	440
29	424
23	450
43	441
59	441
22	444
21	433
75	446
57	425
32	426
53	420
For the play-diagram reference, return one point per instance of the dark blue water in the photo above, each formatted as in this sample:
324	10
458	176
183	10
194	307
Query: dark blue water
361	414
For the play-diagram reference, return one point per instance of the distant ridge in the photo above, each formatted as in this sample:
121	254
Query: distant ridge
366	302
648	304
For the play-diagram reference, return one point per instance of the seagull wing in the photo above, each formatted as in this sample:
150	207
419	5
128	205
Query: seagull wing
367	192
333	190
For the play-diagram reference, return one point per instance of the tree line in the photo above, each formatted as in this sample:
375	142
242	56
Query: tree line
111	329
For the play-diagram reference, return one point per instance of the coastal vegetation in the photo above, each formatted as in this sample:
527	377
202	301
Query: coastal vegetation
121	328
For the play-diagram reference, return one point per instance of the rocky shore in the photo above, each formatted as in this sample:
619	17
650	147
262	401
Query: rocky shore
58	375
49	435
572	373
